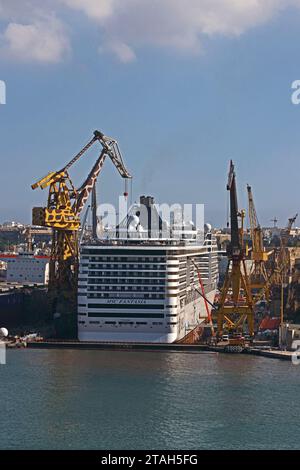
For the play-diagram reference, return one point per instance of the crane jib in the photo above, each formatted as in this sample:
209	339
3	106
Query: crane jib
62	213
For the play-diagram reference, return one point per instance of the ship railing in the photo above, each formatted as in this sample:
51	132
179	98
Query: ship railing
152	236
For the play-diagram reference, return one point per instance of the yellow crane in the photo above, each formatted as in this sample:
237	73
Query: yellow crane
236	303
259	279
64	206
281	269
281	256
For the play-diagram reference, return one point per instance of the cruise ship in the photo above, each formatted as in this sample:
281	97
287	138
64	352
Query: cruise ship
140	282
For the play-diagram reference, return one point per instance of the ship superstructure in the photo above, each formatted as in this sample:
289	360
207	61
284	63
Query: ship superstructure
139	282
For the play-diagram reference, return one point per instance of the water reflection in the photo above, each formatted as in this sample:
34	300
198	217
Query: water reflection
126	399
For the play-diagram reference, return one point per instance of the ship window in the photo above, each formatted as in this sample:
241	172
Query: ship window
94	322
157	323
110	323
127	306
126	315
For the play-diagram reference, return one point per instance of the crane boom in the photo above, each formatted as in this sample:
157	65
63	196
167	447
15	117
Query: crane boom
64	206
110	148
260	281
291	222
79	154
254	224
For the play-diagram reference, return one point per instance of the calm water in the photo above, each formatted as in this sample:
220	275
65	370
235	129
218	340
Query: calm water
138	400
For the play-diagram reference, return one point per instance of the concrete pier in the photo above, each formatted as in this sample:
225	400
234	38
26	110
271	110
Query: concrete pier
122	346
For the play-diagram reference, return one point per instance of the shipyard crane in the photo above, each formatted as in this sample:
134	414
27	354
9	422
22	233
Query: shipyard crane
275	220
290	224
64	207
259	279
280	269
284	255
281	256
236	304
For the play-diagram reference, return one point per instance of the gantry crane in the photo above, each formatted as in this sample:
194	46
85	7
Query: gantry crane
236	303
64	207
259	279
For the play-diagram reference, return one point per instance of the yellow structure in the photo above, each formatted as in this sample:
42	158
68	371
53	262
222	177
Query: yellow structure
282	260
64	207
260	282
236	303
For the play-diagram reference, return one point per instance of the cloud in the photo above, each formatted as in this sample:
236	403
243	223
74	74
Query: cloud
127	26
41	41
95	9
121	50
175	24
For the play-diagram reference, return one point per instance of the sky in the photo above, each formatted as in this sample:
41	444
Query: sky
183	86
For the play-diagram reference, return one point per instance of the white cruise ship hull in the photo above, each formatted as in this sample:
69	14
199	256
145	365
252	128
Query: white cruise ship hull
189	316
143	292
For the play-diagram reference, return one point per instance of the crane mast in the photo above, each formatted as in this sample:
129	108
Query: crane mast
281	255
63	210
259	280
285	258
236	304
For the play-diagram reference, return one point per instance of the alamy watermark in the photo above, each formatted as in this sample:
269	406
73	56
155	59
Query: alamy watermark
295	97
296	353
2	92
147	219
2	352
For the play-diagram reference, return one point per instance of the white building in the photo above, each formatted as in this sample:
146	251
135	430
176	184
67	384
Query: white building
26	267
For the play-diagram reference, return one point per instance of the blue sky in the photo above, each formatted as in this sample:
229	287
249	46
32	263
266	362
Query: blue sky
180	104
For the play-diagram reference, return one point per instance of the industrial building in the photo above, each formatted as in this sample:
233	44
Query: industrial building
26	267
